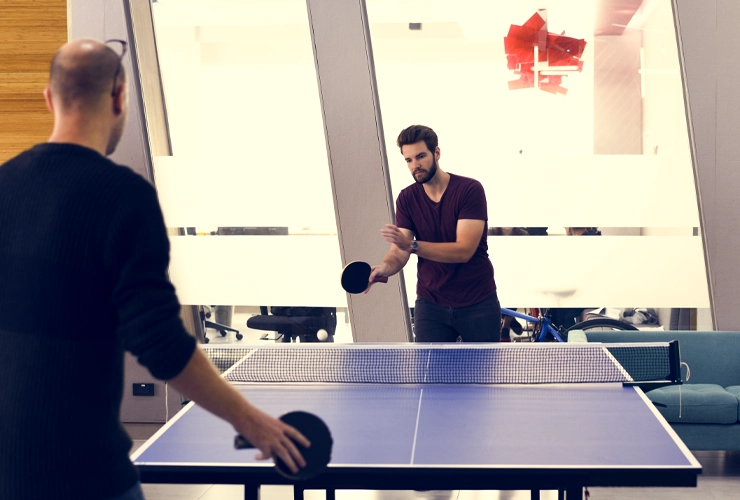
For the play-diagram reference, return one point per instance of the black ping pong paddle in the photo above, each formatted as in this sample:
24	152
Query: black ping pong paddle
317	456
355	276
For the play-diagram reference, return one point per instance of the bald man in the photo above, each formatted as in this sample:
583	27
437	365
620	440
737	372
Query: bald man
84	256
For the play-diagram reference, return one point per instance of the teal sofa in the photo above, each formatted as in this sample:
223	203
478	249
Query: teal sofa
704	410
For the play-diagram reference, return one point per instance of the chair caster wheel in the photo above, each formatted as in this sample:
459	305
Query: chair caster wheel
239	336
206	340
223	333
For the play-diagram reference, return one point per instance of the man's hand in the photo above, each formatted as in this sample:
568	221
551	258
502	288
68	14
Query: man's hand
397	256
201	382
382	269
395	236
273	438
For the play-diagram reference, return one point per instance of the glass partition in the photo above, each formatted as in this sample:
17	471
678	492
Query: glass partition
569	112
247	184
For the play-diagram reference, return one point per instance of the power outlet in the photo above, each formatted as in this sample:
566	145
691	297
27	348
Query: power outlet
143	389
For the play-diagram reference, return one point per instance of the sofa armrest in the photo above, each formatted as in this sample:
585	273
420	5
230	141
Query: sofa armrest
577	336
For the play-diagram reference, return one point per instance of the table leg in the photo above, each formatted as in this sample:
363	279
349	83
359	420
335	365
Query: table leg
251	492
574	493
561	494
535	494
297	493
331	494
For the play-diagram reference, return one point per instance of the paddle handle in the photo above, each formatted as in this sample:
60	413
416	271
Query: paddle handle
241	443
380	279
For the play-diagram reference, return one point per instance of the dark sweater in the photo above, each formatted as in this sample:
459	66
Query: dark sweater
83	277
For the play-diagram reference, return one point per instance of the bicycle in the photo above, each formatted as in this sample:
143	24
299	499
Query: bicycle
544	326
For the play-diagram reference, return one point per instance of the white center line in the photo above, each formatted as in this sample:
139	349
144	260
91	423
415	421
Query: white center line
416	429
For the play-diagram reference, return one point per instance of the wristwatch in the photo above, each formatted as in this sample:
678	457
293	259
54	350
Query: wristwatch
414	246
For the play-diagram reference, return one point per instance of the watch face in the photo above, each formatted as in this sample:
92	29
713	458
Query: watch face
414	245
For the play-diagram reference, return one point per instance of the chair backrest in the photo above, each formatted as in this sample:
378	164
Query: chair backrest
292	311
329	315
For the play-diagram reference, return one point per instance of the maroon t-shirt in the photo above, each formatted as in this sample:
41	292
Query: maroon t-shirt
448	285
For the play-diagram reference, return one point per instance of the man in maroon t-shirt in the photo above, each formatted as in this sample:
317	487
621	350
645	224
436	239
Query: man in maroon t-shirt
442	218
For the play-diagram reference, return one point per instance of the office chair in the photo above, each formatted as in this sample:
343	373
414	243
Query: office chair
205	313
294	324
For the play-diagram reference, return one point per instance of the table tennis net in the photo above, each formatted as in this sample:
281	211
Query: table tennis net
456	364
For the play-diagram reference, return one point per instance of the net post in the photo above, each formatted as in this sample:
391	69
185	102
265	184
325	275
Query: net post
675	362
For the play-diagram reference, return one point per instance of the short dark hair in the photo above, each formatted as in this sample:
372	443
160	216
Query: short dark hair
416	133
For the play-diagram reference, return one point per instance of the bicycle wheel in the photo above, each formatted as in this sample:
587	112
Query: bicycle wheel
601	324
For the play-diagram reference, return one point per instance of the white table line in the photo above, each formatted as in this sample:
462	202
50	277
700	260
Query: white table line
416	429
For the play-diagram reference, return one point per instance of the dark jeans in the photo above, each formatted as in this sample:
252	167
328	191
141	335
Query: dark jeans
480	322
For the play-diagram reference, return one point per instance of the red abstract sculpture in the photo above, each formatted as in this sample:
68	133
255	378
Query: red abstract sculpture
556	55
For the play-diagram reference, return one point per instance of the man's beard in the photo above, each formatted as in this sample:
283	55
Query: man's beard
429	175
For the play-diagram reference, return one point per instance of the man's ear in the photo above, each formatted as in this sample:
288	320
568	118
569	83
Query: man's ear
47	99
436	153
119	100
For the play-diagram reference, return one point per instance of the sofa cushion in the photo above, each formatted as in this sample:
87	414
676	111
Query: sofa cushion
735	391
695	403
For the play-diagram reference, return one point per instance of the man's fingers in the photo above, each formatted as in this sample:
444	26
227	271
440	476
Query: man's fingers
297	436
394	236
295	454
290	455
288	461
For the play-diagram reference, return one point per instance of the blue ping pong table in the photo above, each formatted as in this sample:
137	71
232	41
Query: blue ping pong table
428	433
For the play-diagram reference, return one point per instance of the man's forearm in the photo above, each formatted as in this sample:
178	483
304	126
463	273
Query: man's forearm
201	382
393	263
456	252
448	253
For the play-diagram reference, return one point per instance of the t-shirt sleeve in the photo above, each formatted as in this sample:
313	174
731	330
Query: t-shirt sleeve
403	216
474	204
137	258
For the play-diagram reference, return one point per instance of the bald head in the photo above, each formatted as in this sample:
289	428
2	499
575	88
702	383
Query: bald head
87	95
82	73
